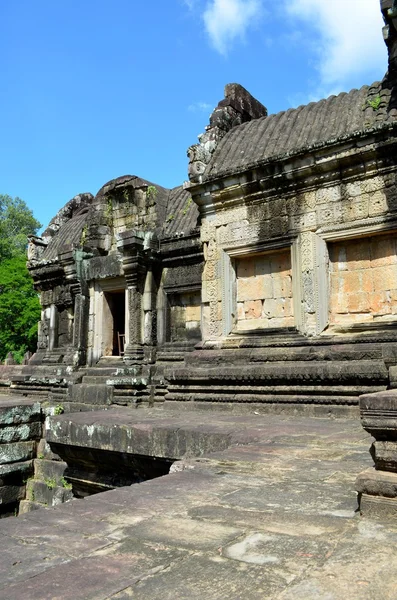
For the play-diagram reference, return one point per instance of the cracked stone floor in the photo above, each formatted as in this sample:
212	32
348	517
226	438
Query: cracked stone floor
272	517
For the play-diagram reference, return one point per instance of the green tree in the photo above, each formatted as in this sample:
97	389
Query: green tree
16	223
19	303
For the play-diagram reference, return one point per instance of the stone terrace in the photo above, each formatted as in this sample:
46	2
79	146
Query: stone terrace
271	514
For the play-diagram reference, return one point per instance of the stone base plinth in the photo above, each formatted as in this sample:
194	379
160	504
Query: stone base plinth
377	506
377	493
379	414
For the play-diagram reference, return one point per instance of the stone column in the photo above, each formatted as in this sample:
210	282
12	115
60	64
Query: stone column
80	329
377	486
134	349
53	331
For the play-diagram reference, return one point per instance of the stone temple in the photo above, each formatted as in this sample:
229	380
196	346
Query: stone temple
269	277
265	285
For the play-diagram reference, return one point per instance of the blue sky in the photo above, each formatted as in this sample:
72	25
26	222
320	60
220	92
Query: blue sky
92	89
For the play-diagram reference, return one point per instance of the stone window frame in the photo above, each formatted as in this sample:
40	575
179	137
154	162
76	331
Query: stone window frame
164	313
376	227
229	279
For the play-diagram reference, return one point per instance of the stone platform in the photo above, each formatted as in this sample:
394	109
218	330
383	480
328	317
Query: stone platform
271	512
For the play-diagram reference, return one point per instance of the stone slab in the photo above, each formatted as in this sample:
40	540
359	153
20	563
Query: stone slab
184	533
14	411
273	512
21	433
17	451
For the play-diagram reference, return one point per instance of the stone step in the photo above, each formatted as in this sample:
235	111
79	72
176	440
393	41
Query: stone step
112	371
262	398
120	379
85	393
353	372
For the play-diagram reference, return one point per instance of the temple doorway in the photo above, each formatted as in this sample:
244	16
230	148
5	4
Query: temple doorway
116	303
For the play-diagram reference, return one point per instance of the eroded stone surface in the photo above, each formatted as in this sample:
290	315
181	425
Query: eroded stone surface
273	513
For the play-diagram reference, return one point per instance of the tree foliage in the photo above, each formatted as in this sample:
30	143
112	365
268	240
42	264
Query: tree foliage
19	303
16	223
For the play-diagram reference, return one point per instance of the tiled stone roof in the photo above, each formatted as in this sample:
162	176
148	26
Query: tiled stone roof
69	233
295	130
182	213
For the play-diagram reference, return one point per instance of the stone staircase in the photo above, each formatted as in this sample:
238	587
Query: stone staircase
110	382
288	371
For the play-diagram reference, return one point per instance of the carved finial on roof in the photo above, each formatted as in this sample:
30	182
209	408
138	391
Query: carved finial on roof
236	108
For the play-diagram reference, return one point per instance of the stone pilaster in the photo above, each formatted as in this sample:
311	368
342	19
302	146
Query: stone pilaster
80	329
131	244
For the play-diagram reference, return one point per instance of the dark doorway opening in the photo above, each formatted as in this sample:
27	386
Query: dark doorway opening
116	302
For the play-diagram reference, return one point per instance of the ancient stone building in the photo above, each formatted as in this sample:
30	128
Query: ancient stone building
269	277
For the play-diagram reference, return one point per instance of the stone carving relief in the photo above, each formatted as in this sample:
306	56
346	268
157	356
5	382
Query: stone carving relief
237	107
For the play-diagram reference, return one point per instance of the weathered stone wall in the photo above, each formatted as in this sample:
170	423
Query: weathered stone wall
259	214
363	280
185	316
20	430
264	291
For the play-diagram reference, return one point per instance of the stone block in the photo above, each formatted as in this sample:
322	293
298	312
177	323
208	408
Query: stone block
281	263
373	185
90	394
14	412
253	309
366	280
380	304
383	252
19	451
377	483
245	267
250	289
21	433
379	414
358	254
277	308
193	313
282	322
262	265
47	492
353	189
49	469
15	473
349	319
282	286
252	324
385	278
378	506
384	454
358	303
377	203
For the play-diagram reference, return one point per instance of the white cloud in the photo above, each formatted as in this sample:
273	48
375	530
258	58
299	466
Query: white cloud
200	107
189	3
350	37
226	20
